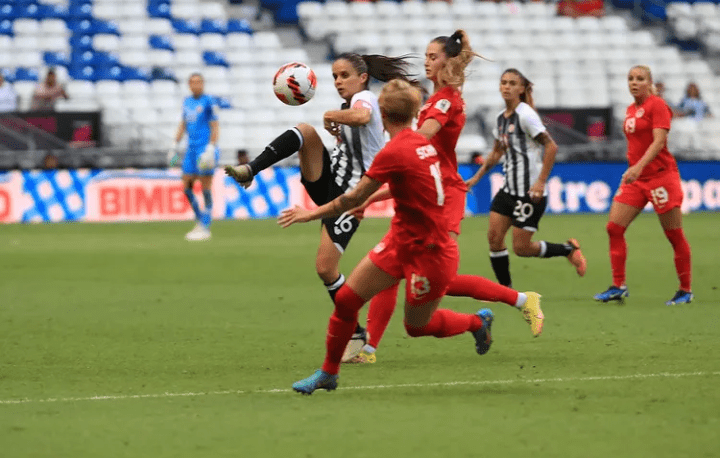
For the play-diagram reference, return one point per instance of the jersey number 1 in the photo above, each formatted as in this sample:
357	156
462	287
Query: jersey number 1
435	172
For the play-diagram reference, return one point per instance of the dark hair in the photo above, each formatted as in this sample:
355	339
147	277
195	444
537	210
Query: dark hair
526	95
382	68
459	55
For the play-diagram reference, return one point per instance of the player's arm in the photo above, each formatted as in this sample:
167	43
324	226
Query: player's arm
214	132
659	139
490	162
172	154
351	199
381	194
550	148
429	128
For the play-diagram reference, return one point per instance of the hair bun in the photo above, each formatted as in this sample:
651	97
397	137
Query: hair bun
454	44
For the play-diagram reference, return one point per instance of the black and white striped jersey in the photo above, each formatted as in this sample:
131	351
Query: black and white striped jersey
358	146
522	161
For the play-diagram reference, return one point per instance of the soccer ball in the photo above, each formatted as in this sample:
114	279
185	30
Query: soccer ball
294	83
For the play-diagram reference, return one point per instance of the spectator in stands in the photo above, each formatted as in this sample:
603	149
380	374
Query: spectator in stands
50	162
692	105
47	92
242	156
577	8
8	97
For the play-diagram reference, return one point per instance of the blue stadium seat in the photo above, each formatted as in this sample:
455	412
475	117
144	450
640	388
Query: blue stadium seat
93	27
222	102
160	73
213	26
161	42
81	41
114	72
132	73
215	58
239	26
26	74
55	59
159	10
6	27
58	12
8	12
80	11
287	13
82	72
186	26
8	74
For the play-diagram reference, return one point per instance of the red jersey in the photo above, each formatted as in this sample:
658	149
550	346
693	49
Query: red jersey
639	123
411	167
447	107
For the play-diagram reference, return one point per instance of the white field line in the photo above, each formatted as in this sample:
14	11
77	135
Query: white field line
600	378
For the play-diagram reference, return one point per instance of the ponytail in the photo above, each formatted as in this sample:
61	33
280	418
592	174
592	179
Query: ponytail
459	55
382	68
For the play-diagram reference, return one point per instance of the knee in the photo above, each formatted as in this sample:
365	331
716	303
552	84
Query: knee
522	249
614	229
327	271
495	240
413	331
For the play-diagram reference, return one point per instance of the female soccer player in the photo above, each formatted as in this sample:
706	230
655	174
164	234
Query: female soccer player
358	128
529	154
441	120
652	176
202	155
417	247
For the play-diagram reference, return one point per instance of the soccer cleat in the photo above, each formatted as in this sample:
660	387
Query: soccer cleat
533	314
198	227
319	380
613	293
355	345
199	235
681	297
242	174
576	258
363	358
483	337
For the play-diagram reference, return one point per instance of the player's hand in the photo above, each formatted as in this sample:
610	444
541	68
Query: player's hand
358	212
631	174
333	128
536	191
472	181
172	155
293	215
206	161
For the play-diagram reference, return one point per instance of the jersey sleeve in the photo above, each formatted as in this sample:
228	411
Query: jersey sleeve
440	111
362	100
531	123
211	111
661	115
384	165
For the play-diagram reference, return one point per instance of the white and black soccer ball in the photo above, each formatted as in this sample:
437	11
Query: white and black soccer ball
294	83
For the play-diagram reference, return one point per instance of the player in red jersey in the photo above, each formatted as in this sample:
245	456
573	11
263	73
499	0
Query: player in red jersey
417	247
652	176
441	120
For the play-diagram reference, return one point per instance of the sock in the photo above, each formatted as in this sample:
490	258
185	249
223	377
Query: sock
551	250
340	328
284	146
446	323
681	247
193	203
333	287
618	252
500	261
207	215
521	300
381	309
482	289
368	349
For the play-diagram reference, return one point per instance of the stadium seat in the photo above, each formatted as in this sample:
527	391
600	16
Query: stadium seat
215	58
213	26
161	42
239	26
186	26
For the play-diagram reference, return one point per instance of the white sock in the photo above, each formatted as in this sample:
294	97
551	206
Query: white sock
522	298
368	349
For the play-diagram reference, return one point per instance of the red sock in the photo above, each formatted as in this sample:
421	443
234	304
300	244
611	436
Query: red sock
381	309
446	323
341	327
618	252
482	289
681	247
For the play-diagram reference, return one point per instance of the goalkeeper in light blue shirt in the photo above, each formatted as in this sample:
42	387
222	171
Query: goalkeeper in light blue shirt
202	155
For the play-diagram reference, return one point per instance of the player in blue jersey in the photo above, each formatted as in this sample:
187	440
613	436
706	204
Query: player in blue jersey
202	155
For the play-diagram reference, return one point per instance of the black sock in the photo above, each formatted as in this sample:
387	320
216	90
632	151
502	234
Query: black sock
335	286
500	261
284	146
551	250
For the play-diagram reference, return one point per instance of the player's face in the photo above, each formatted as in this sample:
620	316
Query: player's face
197	86
639	82
435	59
348	81
511	86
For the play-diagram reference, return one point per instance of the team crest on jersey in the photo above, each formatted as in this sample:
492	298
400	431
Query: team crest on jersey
511	128
640	113
198	109
443	105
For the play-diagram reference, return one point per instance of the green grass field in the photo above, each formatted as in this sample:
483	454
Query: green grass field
123	340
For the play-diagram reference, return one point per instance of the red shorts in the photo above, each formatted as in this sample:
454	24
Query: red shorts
427	272
664	191
454	208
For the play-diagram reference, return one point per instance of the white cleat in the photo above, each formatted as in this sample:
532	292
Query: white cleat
198	234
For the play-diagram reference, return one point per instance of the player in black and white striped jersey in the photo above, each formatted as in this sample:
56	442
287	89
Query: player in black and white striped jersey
528	152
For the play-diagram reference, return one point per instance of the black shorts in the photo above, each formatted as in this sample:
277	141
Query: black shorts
325	189
524	213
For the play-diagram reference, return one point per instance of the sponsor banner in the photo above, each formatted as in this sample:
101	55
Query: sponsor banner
155	195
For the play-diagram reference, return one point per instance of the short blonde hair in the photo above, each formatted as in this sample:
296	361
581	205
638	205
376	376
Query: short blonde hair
399	101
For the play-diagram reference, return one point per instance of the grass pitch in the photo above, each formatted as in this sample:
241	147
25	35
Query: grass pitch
123	340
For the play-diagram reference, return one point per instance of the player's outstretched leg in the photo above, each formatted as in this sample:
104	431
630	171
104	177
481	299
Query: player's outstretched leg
613	293
483	336
319	380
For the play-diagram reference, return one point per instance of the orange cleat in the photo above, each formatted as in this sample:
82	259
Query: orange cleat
576	258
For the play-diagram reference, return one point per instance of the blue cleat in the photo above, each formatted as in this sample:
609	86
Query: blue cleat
318	380
613	293
483	338
681	297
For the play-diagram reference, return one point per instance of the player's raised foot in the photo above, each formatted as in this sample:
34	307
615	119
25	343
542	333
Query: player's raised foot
242	174
576	258
358	340
533	313
319	380
681	297
364	357
196	228
483	337
202	234
613	293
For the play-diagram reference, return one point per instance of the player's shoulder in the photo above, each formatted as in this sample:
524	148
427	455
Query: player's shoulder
524	110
